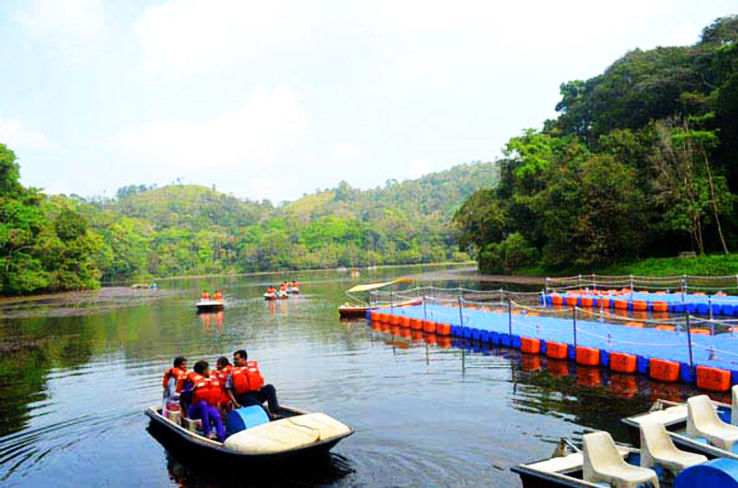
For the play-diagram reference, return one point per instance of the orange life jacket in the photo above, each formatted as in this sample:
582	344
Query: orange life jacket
222	375
217	296
205	389
205	295
283	287
176	373
271	290
247	378
295	284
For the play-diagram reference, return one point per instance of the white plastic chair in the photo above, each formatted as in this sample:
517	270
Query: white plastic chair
734	405
657	448
603	463
703	421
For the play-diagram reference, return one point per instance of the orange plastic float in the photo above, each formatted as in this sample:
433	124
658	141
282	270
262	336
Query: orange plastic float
557	300
713	379
669	328
443	329
571	301
405	321
587	356
622	362
660	307
557	350
394	319
640	305
530	345
663	370
416	324
429	327
700	331
621	305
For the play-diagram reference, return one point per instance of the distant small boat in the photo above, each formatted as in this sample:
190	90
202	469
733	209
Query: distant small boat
358	309
293	435
209	305
276	296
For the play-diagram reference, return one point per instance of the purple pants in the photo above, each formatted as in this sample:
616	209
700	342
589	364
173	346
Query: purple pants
207	413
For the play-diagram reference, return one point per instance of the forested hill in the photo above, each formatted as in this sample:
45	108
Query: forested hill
641	162
52	243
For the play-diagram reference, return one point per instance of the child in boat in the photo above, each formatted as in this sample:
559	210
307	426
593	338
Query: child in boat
245	386
205	295
205	395
218	295
271	290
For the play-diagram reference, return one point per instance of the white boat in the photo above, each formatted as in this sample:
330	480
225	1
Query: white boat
293	434
209	304
602	462
712	429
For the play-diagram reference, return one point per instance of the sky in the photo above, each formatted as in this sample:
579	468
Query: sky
274	99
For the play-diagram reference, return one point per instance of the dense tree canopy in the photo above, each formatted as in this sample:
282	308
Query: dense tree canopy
642	161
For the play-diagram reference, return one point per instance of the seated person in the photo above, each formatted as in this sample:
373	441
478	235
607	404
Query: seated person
222	373
205	392
172	382
218	295
246	387
271	290
205	295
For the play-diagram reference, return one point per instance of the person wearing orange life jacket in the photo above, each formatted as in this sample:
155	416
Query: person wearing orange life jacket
205	295
283	287
218	295
295	284
245	386
172	381
222	373
205	393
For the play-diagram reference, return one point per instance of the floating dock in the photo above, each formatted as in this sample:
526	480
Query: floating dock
694	303
707	355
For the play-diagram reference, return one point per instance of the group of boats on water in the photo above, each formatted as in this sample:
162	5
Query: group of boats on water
283	292
681	445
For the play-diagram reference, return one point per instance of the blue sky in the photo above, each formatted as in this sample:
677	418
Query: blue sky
274	99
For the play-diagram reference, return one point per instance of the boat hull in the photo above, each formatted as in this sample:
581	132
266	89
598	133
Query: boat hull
175	437
209	305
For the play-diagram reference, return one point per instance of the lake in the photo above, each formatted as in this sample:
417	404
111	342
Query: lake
74	383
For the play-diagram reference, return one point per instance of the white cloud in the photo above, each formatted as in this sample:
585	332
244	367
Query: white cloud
80	19
16	136
184	36
260	133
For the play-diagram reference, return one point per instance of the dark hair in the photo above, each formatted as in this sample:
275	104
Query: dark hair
201	366
178	361
242	353
222	361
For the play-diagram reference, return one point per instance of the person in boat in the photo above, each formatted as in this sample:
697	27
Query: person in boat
283	287
246	387
294	284
205	295
223	371
271	290
204	391
173	378
218	295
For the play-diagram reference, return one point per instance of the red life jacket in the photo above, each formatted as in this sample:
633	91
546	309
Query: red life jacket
176	373
218	296
247	378
283	287
205	295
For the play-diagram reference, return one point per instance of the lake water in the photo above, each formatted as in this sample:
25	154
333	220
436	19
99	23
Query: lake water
73	389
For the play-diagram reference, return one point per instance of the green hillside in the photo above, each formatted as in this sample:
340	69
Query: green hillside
186	229
641	162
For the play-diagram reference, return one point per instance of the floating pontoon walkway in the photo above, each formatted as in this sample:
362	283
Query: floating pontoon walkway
663	352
